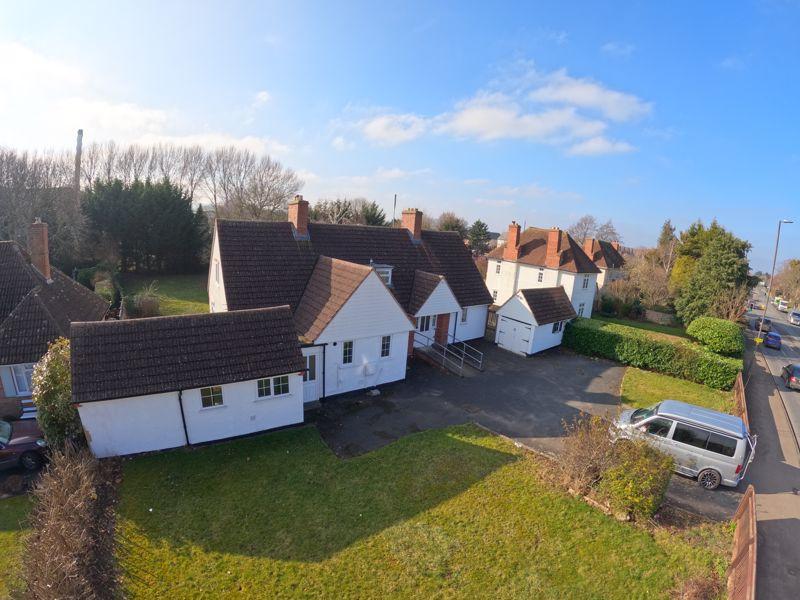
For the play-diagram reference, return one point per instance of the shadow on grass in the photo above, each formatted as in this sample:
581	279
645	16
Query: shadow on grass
286	496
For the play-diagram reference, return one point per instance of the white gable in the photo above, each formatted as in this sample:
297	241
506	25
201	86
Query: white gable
216	285
371	310
516	308
441	301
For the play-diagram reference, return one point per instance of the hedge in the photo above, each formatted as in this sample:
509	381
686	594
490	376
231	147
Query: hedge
718	335
632	346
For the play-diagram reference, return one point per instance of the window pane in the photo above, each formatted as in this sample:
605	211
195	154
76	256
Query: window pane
659	427
463	315
211	396
690	435
347	353
386	345
721	444
280	385
264	388
311	366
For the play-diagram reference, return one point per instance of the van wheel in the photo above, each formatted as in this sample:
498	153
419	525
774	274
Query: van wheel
709	479
30	461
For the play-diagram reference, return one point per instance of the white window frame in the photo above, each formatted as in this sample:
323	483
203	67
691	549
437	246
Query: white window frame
586	282
581	308
311	368
540	277
494	295
212	395
345	345
22	374
497	268
464	314
385	273
216	271
267	387
426	323
558	326
386	346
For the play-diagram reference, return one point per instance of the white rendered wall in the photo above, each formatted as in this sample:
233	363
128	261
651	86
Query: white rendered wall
368	368
441	301
216	285
544	338
475	325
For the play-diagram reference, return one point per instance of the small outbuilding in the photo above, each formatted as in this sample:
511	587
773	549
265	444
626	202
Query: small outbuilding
533	320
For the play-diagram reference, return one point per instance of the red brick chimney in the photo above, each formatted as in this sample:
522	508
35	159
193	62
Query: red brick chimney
552	259
39	248
412	220
511	248
298	215
588	243
615	246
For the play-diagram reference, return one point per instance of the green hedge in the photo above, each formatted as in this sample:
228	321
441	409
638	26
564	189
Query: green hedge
635	347
718	335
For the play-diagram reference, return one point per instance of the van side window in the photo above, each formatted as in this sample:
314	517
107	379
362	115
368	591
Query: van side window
721	444
693	436
659	427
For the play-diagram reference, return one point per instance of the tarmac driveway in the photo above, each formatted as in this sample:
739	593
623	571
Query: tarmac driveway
523	398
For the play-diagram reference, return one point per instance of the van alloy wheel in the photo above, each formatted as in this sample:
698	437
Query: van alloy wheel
709	479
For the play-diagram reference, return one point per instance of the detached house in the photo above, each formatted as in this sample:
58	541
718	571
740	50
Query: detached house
37	304
606	257
542	258
362	298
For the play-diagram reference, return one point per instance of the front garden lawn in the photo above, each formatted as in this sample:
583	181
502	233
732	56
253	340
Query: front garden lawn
13	527
662	330
178	294
457	512
641	389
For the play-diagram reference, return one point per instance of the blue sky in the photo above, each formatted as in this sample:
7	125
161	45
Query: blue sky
634	112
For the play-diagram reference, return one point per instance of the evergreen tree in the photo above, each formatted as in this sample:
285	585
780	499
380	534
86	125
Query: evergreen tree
372	214
478	236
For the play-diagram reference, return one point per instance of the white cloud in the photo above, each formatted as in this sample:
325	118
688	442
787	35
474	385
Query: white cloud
494	202
536	191
556	36
397	173
341	144
477	181
394	129
618	48
599	145
306	175
261	98
585	93
258	145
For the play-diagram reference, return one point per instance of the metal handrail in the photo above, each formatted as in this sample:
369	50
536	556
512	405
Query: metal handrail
442	352
469	352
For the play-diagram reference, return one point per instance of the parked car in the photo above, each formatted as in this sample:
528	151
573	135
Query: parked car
766	327
791	376
712	446
21	444
783	306
773	340
794	317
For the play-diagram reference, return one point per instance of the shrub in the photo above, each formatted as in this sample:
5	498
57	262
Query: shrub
587	451
718	335
70	552
636	482
52	394
608	306
636	347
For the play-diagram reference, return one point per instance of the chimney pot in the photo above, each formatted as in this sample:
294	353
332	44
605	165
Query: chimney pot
588	245
511	249
412	221
39	248
298	215
553	255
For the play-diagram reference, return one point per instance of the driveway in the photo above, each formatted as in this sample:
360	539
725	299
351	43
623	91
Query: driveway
523	398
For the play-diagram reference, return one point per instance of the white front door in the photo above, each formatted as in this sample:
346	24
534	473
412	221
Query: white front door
513	335
312	378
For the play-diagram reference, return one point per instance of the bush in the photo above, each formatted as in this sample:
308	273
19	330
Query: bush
636	482
70	552
587	452
608	306
632	346
52	394
718	335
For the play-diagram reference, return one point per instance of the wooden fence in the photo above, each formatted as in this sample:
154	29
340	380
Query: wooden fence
742	572
741	399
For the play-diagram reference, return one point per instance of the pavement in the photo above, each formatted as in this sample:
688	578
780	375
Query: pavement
775	472
525	398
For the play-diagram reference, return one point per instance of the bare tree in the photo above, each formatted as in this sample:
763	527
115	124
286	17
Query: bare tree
339	211
583	228
607	232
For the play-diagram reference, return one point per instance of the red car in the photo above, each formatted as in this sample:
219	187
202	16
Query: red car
21	445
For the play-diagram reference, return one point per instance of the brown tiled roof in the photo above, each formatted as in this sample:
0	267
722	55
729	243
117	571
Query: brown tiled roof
40	311
549	304
332	283
424	284
262	264
605	256
120	359
533	249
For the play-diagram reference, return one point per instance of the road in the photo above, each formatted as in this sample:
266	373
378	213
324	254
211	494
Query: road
775	472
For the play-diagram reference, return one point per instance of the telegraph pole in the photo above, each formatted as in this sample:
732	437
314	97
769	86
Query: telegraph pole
77	177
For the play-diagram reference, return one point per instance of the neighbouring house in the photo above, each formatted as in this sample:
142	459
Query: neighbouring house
363	298
533	320
606	257
151	384
37	304
542	258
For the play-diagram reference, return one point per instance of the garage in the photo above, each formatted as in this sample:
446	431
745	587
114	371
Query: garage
533	320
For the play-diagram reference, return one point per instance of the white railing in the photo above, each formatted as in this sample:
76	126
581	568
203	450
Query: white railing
449	359
471	354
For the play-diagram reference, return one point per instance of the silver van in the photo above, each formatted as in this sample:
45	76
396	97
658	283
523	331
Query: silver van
714	447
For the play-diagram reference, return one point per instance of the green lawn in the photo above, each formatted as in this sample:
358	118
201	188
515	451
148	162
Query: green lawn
178	294
13	512
643	388
449	513
665	330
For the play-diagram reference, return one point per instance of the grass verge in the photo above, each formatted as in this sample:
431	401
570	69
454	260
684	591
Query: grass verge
641	389
661	330
178	294
13	527
457	512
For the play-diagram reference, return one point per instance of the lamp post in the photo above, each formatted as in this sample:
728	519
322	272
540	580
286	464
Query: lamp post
772	275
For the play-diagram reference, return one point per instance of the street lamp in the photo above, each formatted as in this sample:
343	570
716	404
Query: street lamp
772	275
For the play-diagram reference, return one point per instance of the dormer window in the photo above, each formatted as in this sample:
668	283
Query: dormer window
384	272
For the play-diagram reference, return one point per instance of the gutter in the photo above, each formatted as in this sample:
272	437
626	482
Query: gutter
183	417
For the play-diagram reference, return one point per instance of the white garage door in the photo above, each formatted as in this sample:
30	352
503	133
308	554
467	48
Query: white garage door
513	335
